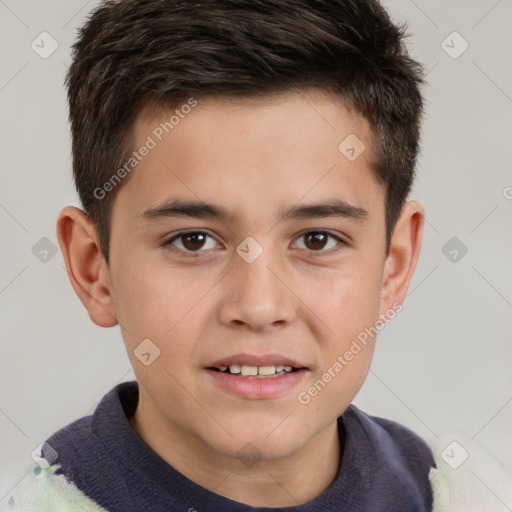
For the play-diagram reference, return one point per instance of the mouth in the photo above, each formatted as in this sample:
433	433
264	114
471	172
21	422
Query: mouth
257	377
259	372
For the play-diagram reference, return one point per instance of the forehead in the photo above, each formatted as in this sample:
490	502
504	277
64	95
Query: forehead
274	150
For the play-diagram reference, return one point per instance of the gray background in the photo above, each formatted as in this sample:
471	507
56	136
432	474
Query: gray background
442	367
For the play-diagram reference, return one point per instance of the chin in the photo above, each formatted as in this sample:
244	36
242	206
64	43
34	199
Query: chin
253	444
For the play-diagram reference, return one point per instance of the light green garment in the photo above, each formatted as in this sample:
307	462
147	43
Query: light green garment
43	491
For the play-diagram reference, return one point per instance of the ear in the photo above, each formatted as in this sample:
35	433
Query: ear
86	266
403	256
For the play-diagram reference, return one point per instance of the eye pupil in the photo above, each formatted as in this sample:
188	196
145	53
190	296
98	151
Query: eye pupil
318	240
197	239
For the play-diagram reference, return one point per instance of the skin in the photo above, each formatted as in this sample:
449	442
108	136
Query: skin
252	157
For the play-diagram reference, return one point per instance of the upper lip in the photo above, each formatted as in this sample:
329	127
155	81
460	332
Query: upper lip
267	359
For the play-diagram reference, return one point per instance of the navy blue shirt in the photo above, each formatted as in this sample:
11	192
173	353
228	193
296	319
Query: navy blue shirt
384	466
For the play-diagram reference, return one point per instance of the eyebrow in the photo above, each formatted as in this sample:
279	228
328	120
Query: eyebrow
202	210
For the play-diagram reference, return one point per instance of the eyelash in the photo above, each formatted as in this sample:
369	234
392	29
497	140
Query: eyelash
316	254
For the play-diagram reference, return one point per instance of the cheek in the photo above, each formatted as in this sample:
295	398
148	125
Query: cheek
155	303
350	308
349	302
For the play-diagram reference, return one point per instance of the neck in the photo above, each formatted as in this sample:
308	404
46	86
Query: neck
289	481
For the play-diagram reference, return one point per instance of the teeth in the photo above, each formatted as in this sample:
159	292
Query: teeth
266	370
234	368
251	371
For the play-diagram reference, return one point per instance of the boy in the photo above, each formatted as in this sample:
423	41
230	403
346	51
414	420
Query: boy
243	167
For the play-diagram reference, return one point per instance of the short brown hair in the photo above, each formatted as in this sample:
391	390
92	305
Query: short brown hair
132	53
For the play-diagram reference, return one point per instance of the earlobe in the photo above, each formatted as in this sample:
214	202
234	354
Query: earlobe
85	265
403	255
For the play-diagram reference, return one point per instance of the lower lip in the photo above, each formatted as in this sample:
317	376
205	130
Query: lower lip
257	387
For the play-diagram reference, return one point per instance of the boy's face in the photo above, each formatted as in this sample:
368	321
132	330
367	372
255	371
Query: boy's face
258	287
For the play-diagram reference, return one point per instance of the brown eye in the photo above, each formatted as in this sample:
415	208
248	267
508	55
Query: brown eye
321	242
193	241
315	240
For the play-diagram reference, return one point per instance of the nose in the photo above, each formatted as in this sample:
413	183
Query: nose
257	296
